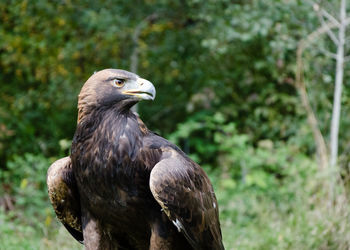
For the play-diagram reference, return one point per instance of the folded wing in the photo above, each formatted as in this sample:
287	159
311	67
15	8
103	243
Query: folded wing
64	196
186	195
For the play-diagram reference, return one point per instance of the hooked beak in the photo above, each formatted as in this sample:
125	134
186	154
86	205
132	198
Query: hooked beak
144	91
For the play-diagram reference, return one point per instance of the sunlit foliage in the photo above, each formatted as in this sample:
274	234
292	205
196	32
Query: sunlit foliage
224	74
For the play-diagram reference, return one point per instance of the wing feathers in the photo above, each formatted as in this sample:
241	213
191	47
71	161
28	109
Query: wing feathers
186	196
64	196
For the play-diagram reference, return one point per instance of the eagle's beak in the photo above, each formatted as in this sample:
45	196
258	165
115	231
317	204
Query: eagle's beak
144	91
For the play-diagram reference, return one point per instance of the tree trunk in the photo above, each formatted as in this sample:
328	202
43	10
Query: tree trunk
337	100
134	58
338	87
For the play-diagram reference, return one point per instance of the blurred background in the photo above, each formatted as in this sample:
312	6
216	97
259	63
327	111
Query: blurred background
232	92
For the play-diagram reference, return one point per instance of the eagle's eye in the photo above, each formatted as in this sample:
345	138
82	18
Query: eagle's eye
119	82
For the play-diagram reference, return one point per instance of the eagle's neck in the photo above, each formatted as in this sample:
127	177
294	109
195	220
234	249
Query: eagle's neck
111	125
88	108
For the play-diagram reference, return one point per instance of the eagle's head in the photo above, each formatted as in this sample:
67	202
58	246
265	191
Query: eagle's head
113	87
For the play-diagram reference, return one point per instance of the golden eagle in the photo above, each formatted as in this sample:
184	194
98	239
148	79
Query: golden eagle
125	187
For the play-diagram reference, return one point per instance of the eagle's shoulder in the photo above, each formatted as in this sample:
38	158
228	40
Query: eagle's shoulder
154	141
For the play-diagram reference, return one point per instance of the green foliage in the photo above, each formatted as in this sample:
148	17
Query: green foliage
26	179
263	166
270	192
197	52
27	176
224	74
15	235
32	216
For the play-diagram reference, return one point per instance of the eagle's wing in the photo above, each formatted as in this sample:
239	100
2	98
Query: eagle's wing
186	195
64	196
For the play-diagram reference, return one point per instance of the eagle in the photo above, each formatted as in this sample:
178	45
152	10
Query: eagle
125	187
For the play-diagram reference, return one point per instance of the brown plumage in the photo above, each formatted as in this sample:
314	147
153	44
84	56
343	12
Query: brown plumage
124	187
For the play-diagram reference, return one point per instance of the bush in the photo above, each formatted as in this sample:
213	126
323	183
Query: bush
30	223
271	194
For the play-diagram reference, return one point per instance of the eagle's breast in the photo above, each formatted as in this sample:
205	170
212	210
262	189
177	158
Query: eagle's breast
114	152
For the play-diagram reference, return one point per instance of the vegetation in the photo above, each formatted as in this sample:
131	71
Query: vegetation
226	94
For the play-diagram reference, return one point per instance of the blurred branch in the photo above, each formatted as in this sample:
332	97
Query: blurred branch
7	202
304	43
330	33
328	53
329	17
134	58
339	76
321	13
300	85
321	148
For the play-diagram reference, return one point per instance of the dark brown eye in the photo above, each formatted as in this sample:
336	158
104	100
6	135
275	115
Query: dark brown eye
119	82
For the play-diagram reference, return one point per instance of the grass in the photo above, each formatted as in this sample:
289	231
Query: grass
295	215
16	234
249	221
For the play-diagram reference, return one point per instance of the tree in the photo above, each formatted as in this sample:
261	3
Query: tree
326	28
